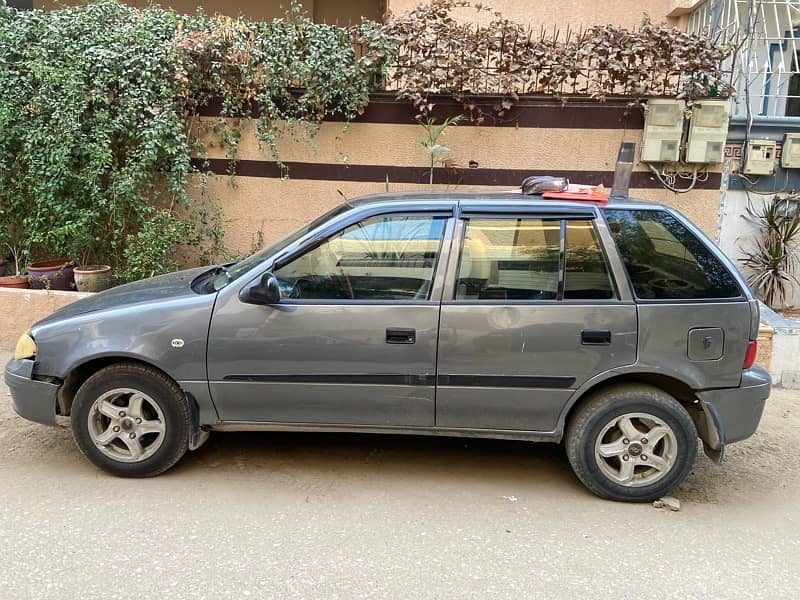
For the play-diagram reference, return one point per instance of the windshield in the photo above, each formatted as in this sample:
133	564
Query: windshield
223	275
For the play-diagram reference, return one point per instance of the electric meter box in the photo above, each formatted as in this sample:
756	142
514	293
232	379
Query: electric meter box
708	131
759	157
790	153
663	130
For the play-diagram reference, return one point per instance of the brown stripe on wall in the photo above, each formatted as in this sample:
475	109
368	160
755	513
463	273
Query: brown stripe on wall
529	112
420	175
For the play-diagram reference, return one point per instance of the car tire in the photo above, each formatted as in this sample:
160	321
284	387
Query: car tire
609	449
131	420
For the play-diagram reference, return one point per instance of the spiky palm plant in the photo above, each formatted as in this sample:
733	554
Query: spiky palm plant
770	266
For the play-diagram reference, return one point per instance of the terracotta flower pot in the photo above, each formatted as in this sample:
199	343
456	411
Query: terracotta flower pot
52	275
12	281
92	278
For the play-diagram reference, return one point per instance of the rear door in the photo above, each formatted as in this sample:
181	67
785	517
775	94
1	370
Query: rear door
694	317
530	312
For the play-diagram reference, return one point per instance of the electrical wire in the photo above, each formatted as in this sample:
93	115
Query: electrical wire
746	181
692	175
668	180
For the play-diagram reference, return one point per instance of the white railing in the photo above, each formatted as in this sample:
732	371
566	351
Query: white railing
765	68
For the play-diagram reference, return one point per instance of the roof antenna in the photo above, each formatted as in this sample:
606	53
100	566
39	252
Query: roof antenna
623	170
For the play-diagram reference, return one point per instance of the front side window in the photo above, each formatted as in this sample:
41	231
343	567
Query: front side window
380	258
666	261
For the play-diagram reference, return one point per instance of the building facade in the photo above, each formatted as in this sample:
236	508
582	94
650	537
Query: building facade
579	138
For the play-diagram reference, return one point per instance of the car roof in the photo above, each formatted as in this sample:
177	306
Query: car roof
489	198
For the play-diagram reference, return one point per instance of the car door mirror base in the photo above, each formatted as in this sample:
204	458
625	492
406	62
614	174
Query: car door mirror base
264	290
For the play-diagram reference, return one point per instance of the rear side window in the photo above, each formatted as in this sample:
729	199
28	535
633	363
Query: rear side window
509	259
585	273
521	259
666	261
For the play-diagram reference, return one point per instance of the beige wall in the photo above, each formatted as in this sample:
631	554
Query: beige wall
19	309
490	147
348	12
572	13
280	206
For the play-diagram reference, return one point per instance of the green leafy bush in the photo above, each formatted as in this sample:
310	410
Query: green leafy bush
93	131
98	111
291	72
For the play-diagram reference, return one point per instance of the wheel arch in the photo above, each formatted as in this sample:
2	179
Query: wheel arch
672	385
79	373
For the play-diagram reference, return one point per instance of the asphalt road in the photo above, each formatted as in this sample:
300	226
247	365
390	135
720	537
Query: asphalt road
347	516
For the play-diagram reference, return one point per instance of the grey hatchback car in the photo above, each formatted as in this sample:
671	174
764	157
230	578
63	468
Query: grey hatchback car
617	328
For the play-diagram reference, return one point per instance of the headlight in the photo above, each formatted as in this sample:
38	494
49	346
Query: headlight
26	347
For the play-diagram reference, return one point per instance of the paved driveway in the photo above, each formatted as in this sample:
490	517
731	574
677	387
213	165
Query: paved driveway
346	516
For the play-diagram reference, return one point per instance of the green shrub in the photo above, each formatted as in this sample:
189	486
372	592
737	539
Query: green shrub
98	102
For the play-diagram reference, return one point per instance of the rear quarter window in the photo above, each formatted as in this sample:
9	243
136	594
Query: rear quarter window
666	261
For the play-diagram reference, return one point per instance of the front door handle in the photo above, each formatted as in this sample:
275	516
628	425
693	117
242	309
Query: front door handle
401	336
596	337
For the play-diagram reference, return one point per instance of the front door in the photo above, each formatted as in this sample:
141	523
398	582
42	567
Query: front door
353	339
531	313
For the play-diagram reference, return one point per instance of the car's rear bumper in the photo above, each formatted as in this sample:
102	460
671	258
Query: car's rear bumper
33	400
733	414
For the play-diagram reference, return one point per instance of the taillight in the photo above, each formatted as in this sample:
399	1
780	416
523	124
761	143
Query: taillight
750	355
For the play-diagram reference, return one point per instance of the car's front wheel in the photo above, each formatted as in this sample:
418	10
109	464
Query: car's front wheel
131	420
632	443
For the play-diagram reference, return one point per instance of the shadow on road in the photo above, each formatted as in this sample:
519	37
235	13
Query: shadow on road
414	459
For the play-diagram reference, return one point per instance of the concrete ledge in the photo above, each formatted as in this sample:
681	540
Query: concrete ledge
764	356
784	364
19	309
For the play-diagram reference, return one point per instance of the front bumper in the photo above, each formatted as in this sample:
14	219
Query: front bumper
33	400
733	414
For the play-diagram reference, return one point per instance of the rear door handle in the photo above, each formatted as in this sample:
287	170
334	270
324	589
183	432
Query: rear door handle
401	336
596	337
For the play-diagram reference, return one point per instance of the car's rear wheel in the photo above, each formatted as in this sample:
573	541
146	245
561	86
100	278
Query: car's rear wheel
131	420
632	443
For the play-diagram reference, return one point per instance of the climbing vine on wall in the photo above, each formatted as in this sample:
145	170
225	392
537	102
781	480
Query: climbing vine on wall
289	72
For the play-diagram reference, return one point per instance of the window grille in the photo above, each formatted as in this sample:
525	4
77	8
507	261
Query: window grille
765	67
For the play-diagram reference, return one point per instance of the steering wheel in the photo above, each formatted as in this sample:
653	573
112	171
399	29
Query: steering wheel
290	289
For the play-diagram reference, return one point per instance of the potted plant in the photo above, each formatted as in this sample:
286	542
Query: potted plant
92	277
55	274
91	274
14	281
61	240
13	239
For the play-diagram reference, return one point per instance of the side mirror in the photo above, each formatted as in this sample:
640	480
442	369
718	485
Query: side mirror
262	291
